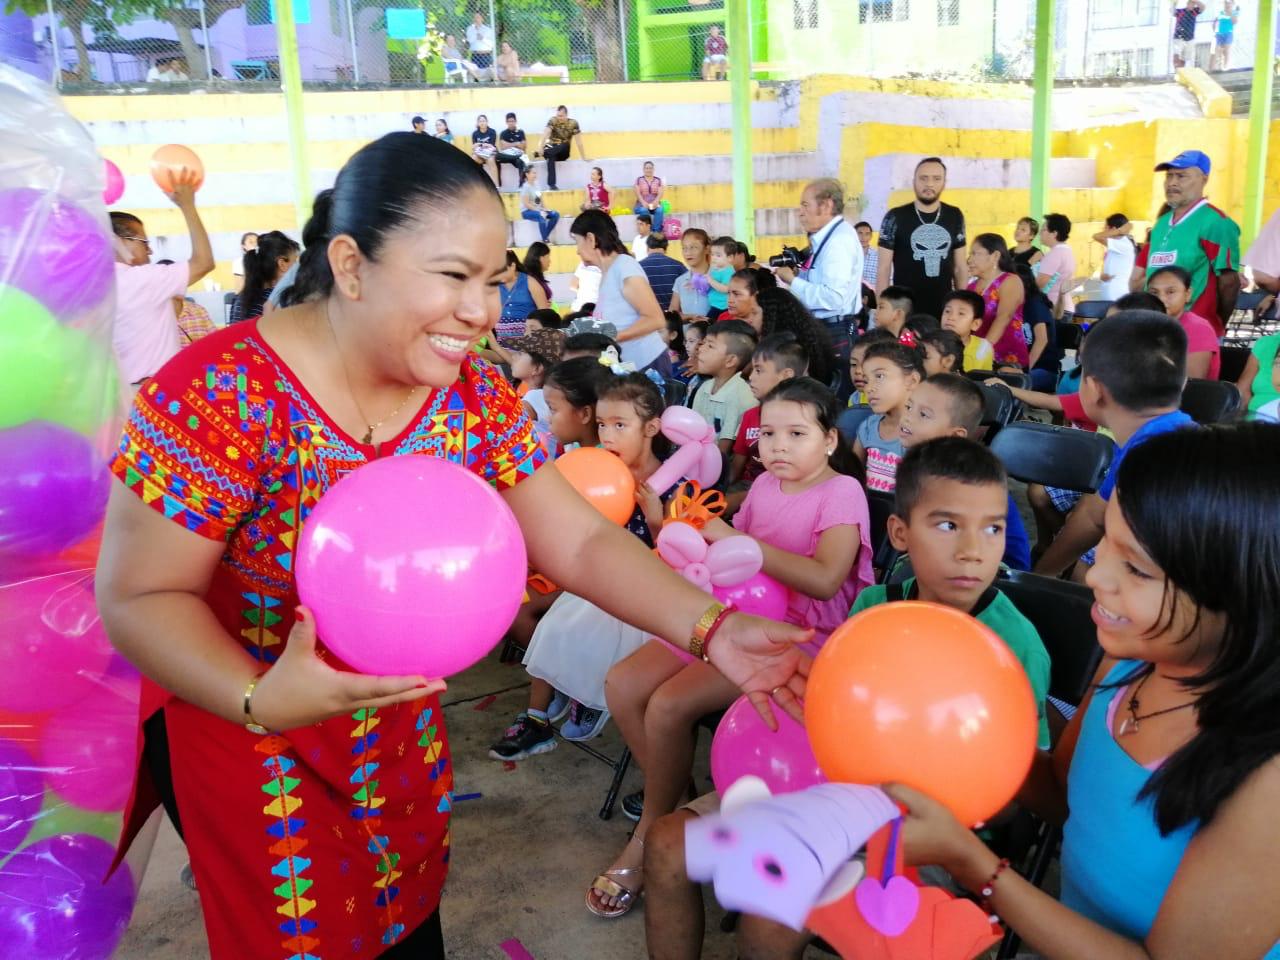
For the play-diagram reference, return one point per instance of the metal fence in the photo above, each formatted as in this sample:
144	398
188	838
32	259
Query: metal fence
142	44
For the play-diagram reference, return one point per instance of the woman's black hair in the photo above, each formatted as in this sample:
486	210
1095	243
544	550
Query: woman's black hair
1203	504
533	260
580	380
783	313
597	343
757	280
822	402
675	326
598	224
446	124
1059	224
514	261
643	394
994	243
313	235
1030	289
549	319
385	185
260	269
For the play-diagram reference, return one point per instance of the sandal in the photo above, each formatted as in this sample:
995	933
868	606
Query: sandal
605	886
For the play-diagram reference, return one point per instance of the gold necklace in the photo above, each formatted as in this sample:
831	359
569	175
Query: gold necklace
367	439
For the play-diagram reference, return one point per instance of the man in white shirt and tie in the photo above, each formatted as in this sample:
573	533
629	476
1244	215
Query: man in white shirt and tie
829	282
480	41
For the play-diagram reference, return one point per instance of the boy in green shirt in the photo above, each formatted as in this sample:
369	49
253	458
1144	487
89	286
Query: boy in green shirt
951	505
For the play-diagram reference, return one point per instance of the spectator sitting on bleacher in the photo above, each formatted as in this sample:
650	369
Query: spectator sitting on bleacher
640	242
649	191
1134	366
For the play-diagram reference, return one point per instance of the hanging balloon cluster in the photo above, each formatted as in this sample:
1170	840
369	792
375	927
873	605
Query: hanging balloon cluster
68	704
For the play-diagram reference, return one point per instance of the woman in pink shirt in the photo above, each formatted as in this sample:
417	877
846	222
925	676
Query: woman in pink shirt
1204	354
1057	271
649	190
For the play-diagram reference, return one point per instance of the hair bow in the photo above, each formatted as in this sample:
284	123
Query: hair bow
696	458
908	338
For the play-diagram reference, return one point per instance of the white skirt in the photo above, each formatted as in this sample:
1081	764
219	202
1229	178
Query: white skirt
575	644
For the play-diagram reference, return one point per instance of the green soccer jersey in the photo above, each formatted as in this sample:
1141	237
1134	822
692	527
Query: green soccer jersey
1205	242
996	611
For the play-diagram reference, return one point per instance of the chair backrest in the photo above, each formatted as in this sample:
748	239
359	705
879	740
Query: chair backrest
1055	456
1250	299
1060	612
1020	380
1234	360
1092	309
879	508
1069	335
1000	408
850	419
1210	401
675	392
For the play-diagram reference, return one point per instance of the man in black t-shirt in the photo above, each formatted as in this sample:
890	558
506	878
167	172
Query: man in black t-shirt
1184	33
511	148
924	243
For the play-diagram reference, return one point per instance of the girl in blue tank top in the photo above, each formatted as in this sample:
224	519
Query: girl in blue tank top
1167	781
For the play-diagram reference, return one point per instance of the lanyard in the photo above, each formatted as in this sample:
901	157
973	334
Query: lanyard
808	267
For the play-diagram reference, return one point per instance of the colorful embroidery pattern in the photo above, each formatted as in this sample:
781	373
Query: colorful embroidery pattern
287	845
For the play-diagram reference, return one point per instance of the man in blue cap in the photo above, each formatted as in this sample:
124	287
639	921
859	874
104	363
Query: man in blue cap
1197	236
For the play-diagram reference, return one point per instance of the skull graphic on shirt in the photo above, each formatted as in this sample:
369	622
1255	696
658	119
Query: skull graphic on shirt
930	243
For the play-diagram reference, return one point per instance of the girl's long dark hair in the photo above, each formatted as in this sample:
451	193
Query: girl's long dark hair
1204	505
783	313
386	184
260	269
533	260
825	408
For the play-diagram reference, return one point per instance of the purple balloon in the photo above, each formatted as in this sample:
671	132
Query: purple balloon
21	792
53	488
54	250
55	905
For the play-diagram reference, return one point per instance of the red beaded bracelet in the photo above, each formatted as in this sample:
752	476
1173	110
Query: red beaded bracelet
711	632
989	888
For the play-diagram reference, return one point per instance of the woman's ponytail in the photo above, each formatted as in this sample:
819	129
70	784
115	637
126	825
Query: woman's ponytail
315	277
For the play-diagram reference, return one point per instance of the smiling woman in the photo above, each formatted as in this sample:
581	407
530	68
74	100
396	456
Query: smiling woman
228	449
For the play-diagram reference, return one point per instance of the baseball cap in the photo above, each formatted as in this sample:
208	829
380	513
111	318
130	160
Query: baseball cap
418	120
546	344
1185	161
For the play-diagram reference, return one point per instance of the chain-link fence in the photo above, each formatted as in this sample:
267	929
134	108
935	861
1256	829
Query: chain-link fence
142	44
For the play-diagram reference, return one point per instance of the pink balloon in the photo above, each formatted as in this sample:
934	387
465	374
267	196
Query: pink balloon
680	544
682	425
424	591
114	189
760	595
710	465
699	574
743	746
681	464
734	559
53	650
89	750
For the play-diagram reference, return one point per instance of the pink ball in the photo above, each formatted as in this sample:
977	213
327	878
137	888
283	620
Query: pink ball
89	750
53	650
760	595
54	250
427	588
744	746
114	189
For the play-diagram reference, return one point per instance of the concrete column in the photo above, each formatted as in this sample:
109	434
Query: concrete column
1041	109
1259	124
291	82
739	36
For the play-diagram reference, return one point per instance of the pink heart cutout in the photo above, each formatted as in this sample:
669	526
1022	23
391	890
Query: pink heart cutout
887	908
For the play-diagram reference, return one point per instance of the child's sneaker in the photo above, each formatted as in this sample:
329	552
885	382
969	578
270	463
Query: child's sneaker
633	805
527	737
584	723
559	708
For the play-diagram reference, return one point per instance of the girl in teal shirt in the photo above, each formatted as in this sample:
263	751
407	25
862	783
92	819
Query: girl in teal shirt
1168	778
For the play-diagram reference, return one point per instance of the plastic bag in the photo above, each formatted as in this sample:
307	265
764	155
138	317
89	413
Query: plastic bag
68	702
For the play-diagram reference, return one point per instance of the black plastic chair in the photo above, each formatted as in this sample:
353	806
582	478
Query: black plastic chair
850	419
675	391
1021	381
1234	360
1092	309
1000	408
880	508
1069	334
1210	401
1054	456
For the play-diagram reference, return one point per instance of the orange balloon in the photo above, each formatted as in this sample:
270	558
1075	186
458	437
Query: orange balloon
603	479
171	158
922	694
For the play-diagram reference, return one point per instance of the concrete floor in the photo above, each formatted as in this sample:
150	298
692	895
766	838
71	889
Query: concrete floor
523	854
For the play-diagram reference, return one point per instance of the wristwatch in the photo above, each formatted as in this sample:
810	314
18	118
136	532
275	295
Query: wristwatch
250	724
705	628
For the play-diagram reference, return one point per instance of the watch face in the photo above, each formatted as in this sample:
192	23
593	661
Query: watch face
257	728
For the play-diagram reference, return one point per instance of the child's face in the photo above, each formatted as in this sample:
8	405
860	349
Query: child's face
957	316
1172	293
1129	592
719	259
793	445
524	368
927	416
570	424
643	227
955	539
889	316
856	373
532	324
765	375
888	385
935	362
742	302
692	340
596	176
623	432
713	356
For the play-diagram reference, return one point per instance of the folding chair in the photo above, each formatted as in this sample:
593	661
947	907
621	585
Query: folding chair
1054	456
1210	401
1021	381
675	391
1069	334
1000	409
620	766
228	299
1234	360
1092	309
879	508
850	419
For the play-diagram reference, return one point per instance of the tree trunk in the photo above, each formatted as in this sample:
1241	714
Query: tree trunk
75	23
606	39
183	21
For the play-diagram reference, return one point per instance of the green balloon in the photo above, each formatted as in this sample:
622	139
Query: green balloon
57	817
48	371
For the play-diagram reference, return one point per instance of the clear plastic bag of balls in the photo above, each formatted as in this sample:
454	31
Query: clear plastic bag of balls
68	702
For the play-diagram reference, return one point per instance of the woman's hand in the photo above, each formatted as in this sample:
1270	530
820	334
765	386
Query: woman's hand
715	530
301	689
762	658
933	836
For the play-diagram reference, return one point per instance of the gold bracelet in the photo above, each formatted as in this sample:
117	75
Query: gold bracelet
701	629
250	724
